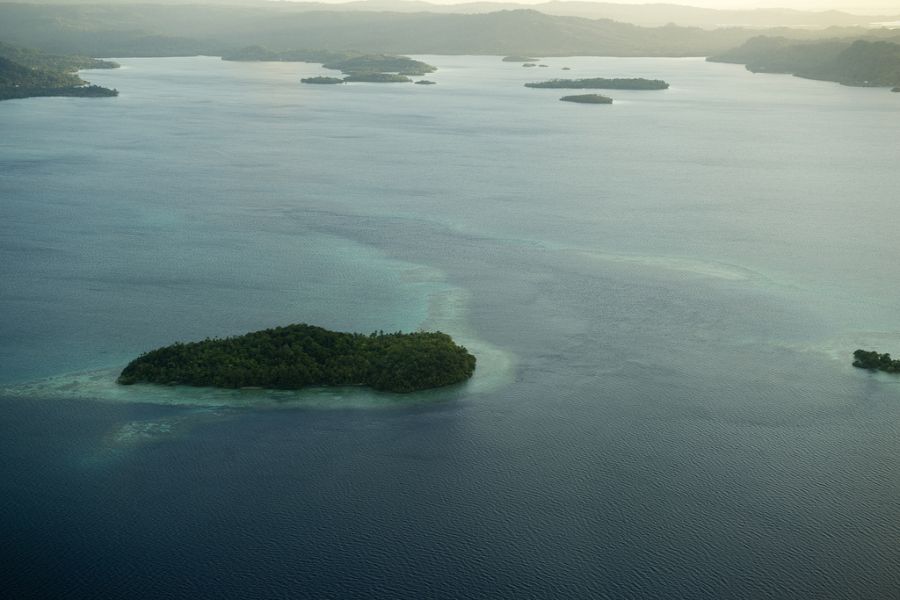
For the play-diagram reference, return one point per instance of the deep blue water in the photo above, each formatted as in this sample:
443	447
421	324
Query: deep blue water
664	292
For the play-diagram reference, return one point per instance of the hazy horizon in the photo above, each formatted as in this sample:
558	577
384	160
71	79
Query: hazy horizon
866	7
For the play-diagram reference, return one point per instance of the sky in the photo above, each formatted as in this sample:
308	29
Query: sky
891	7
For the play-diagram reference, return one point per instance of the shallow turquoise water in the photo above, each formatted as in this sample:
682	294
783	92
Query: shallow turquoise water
663	294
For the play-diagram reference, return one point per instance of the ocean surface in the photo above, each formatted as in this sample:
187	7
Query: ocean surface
663	295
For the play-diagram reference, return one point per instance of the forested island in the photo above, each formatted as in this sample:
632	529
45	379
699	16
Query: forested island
600	83
322	80
28	74
869	359
857	63
380	63
378	78
349	63
373	68
588	99
425	82
298	356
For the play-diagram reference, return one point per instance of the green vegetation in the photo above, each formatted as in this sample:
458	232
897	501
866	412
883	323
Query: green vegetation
599	83
867	359
14	75
86	91
425	82
588	99
872	64
781	55
521	59
34	59
28	74
322	80
378	78
298	356
849	62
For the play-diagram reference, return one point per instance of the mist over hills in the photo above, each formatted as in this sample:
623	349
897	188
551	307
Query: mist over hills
177	29
646	15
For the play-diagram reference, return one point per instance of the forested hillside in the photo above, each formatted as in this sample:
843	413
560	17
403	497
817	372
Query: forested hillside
28	73
850	62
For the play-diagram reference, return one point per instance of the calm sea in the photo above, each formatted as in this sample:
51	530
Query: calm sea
663	294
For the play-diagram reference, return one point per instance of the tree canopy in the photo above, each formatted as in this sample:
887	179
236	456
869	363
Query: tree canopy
870	359
601	83
297	356
27	73
859	62
588	99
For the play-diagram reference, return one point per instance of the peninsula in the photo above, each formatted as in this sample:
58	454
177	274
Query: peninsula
298	356
869	359
600	83
28	73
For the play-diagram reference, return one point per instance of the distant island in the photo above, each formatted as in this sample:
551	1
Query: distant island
367	77
378	78
29	74
896	89
322	80
599	83
869	359
845	61
380	63
298	356
522	59
588	99
372	68
349	63
529	65
425	82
